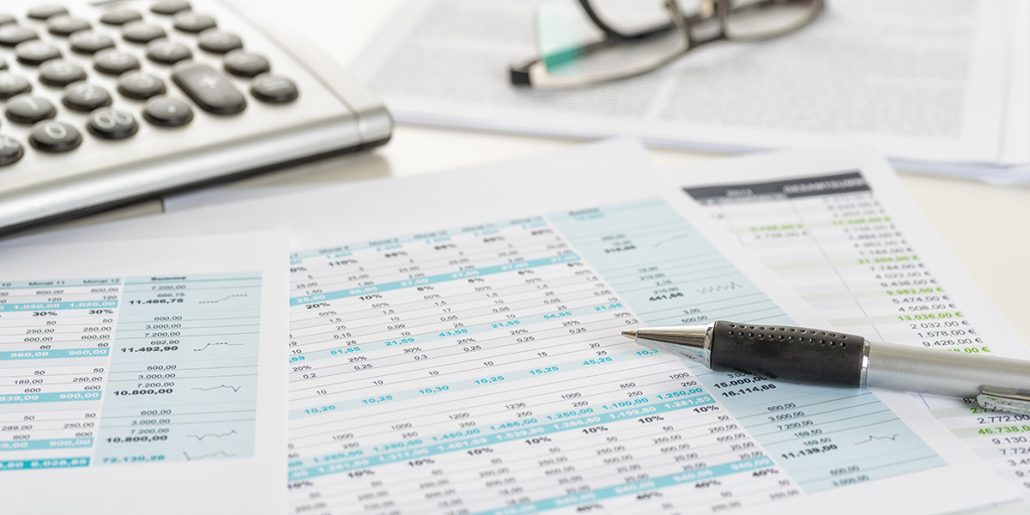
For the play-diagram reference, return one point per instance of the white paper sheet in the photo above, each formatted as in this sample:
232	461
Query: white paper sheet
837	226
927	80
455	347
144	376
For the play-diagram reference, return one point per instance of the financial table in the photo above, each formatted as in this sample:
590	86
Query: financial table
481	369
111	370
843	242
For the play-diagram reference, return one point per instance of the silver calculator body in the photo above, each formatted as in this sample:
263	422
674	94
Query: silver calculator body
331	113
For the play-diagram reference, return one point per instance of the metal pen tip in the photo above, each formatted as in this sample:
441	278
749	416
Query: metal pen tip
630	333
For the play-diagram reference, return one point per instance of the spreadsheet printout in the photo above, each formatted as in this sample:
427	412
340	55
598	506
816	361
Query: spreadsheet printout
455	348
929	81
144	376
837	226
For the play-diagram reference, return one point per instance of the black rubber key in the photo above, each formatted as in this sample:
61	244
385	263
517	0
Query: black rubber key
60	73
111	123
28	109
85	97
66	25
119	17
246	64
10	150
35	53
274	89
13	85
45	12
168	112
89	42
168	7
209	89
219	42
168	52
114	62
140	85
142	32
13	35
54	136
193	23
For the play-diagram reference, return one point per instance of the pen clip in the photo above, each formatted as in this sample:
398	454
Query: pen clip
1010	401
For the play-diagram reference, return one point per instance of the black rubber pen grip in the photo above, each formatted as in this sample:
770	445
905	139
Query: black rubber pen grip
790	353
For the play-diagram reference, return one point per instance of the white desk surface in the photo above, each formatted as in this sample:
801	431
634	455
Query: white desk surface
984	225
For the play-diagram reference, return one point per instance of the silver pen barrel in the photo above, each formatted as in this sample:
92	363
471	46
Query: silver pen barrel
914	369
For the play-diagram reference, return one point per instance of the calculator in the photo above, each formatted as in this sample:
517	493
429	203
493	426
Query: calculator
106	102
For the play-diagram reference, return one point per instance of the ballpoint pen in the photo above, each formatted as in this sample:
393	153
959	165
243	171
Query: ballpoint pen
816	356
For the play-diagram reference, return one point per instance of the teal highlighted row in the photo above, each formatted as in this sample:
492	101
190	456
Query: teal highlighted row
638	487
25	398
49	463
60	306
433	279
479	382
53	354
344	464
53	443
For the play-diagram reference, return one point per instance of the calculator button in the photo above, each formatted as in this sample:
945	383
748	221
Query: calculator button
12	35
89	42
193	23
142	32
114	62
36	52
246	64
168	52
167	7
13	85
60	73
274	89
140	85
54	136
111	123
7	18
219	42
168	112
10	150
85	97
120	17
45	12
29	109
66	25
209	89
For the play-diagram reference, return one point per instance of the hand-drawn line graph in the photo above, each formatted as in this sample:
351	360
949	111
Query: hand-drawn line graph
216	344
222	454
223	299
200	438
234	388
871	438
732	285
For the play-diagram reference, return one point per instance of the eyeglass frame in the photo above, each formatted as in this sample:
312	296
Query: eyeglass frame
521	74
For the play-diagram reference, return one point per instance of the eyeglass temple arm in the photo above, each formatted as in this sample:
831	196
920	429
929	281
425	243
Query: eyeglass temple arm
613	33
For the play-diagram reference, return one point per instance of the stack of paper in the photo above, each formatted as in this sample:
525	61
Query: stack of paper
454	347
941	86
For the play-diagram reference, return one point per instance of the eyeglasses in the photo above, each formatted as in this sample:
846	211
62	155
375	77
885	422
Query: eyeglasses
586	42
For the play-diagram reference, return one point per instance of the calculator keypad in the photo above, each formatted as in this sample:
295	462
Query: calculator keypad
137	50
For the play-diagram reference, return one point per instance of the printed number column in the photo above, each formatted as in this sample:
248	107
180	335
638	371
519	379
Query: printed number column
183	373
